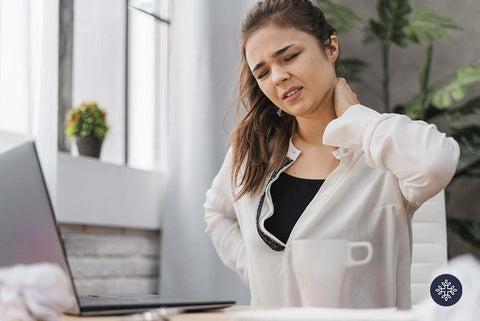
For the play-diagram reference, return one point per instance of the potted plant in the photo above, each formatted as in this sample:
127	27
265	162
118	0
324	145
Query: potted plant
88	126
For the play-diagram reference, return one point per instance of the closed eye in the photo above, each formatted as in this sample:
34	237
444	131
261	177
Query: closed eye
292	56
262	75
289	58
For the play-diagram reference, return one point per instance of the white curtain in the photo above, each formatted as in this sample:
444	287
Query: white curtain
203	59
29	76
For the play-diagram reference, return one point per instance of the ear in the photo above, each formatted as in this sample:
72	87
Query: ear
332	50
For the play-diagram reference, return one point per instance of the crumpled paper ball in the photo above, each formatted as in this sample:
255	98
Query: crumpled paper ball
34	292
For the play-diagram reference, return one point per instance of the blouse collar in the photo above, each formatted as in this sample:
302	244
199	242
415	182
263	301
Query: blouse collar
293	152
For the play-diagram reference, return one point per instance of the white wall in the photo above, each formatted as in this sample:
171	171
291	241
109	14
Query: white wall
203	58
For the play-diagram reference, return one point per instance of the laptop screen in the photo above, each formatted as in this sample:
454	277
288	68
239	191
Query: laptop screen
28	230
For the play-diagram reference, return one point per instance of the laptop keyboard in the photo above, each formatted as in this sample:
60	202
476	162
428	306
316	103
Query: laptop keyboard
88	300
105	304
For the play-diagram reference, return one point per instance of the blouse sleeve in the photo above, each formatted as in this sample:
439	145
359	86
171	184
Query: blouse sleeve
221	221
423	159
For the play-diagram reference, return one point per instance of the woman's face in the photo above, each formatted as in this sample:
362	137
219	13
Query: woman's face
291	68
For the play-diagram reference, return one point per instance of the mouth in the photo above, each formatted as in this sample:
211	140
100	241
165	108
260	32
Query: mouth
292	93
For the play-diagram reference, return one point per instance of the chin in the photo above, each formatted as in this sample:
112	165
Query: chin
299	111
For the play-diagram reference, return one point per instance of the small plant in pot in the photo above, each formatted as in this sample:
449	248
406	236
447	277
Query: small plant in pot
87	124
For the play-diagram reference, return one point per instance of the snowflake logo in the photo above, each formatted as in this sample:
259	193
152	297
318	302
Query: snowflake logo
446	290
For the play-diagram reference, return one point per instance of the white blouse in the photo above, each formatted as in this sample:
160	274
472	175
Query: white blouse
389	166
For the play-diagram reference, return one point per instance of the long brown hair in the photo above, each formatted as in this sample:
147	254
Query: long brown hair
260	140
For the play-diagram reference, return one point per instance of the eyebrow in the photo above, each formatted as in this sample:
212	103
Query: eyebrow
274	55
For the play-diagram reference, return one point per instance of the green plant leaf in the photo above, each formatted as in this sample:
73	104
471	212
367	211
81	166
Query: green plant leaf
393	18
350	68
377	30
468	108
469	166
368	34
468	230
425	27
342	18
455	89
413	108
422	101
468	150
432	112
87	119
468	137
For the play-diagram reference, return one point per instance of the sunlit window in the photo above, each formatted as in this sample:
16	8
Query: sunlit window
147	81
15	79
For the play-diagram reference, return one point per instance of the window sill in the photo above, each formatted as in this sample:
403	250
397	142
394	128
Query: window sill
90	191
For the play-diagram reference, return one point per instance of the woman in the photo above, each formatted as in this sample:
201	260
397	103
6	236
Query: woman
308	161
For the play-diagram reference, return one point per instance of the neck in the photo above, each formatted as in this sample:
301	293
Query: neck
312	127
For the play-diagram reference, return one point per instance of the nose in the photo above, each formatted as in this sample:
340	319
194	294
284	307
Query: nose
279	75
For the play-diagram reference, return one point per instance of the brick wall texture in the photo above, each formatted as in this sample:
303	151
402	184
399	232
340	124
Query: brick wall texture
109	260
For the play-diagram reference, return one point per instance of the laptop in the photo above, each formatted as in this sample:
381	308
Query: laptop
29	234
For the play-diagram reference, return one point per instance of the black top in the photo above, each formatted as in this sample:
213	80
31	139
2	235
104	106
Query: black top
290	196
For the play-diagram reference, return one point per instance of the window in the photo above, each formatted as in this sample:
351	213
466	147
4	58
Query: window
118	58
120	61
15	80
147	84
